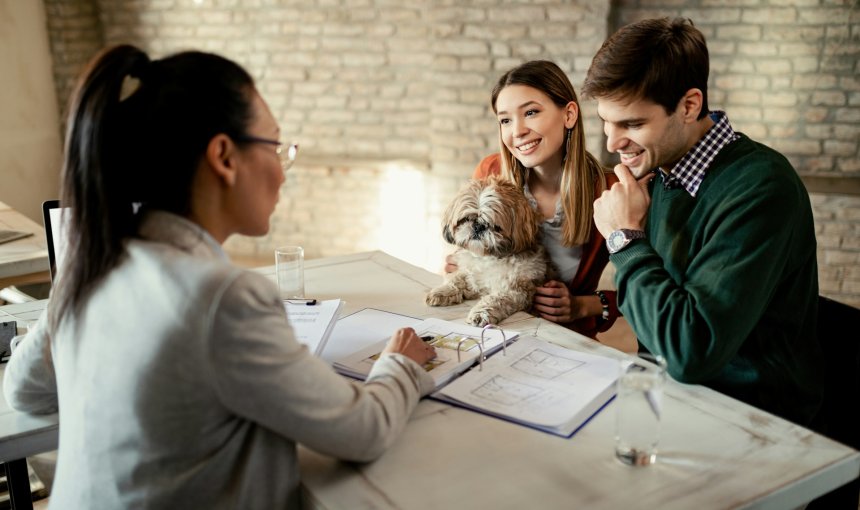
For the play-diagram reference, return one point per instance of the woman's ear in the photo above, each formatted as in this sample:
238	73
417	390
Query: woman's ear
571	113
221	155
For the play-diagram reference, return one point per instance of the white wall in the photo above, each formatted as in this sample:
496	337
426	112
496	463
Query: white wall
30	138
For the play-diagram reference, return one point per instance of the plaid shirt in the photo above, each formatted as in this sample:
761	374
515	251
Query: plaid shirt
690	171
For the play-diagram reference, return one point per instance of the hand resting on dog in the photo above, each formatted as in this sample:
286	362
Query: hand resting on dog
552	300
500	260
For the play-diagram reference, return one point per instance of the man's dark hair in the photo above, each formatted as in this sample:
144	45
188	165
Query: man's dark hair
655	59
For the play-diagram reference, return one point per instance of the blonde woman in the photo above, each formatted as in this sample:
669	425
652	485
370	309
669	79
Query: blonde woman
542	149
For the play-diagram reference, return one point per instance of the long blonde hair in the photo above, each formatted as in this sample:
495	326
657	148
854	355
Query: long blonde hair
582	177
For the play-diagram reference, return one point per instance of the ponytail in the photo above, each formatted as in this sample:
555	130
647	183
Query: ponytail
137	130
101	215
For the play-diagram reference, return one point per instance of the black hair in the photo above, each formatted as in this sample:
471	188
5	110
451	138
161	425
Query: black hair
137	130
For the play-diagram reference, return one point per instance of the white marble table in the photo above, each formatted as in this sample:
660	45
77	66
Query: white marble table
25	260
715	452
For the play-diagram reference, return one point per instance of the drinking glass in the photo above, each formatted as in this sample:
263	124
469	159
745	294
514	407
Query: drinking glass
639	405
289	266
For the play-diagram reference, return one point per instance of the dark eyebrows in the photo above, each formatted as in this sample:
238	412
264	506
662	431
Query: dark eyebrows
520	107
634	120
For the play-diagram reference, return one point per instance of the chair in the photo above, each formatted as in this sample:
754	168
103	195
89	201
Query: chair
840	344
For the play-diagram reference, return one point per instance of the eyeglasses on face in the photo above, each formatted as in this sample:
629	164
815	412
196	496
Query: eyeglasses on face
286	151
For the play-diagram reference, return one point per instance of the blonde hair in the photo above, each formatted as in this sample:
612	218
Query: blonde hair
582	177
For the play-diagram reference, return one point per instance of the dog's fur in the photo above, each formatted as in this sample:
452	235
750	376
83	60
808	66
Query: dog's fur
500	258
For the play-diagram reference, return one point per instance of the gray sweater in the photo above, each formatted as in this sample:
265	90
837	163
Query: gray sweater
181	386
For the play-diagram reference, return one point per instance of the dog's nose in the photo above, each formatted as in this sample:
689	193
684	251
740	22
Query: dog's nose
478	229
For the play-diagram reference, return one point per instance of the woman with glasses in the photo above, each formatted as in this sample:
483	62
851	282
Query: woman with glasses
542	150
177	378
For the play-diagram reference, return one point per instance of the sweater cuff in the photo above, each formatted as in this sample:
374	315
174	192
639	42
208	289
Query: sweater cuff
634	250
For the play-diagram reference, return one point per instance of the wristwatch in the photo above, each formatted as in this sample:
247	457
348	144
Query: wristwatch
619	239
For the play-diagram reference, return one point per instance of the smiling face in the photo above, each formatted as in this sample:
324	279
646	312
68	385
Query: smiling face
532	127
643	134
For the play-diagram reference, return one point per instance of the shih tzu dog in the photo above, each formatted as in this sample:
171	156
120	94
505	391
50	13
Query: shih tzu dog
500	258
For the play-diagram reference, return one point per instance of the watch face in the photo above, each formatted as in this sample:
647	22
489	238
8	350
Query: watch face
616	241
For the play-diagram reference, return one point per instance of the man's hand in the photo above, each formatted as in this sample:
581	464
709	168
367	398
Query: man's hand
625	204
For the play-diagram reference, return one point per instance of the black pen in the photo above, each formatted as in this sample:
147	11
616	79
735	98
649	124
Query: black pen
427	338
298	301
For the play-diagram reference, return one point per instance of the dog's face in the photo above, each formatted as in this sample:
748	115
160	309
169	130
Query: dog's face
491	217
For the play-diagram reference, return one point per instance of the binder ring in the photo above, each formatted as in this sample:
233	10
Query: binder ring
480	354
504	339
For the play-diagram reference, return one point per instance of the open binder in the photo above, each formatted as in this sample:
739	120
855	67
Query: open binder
458	347
521	379
537	384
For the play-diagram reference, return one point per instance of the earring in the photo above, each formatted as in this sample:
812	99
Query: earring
566	145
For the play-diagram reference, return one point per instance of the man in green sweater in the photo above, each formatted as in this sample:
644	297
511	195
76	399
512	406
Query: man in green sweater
715	257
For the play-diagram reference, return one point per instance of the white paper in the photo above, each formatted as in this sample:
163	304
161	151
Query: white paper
312	324
539	384
446	337
361	329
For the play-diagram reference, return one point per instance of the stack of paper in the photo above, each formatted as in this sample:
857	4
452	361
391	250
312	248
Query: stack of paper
312	324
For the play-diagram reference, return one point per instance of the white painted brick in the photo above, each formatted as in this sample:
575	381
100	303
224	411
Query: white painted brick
847	131
847	114
459	14
797	49
821	16
518	14
494	32
815	114
761	49
830	98
840	148
779	99
500	49
739	32
773	15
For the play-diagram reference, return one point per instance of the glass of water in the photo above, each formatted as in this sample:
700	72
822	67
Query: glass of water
639	407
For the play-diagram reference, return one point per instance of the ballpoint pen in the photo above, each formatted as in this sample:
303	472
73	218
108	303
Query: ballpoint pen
298	301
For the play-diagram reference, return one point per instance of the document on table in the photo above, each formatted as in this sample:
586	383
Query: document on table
537	384
312	324
361	329
458	346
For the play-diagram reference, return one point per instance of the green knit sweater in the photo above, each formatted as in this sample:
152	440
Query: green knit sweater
725	285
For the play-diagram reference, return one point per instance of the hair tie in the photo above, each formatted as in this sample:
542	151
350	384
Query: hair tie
130	85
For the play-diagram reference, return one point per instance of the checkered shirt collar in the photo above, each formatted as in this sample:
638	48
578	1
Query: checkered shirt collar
690	171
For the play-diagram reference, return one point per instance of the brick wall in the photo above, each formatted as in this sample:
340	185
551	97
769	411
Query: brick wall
389	99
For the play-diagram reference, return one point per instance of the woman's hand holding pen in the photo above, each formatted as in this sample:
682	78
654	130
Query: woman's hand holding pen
406	342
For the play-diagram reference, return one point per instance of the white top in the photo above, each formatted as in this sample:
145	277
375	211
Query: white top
181	386
566	259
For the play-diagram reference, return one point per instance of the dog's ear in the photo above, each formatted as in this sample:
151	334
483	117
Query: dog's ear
446	233
517	213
